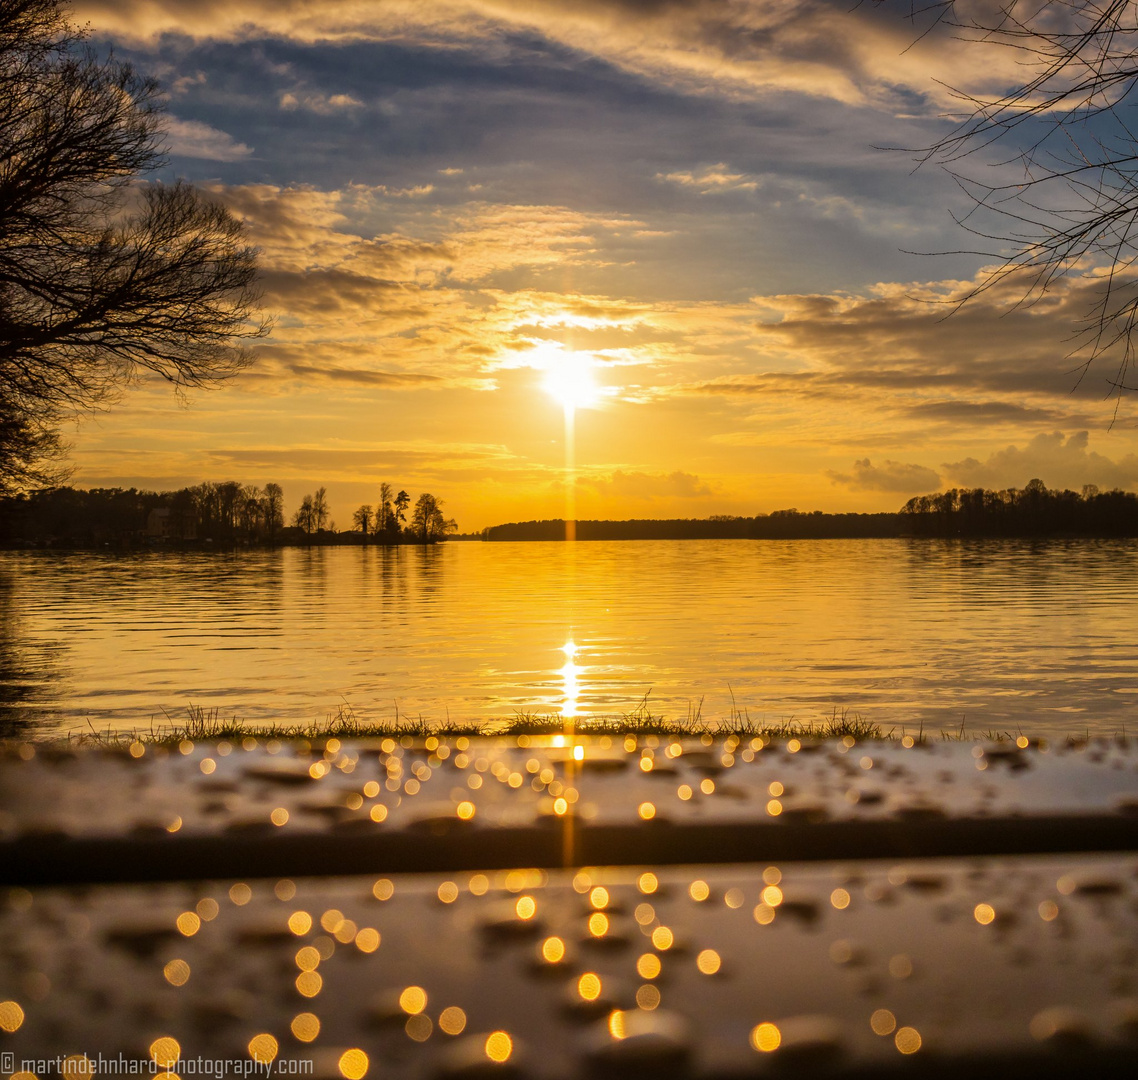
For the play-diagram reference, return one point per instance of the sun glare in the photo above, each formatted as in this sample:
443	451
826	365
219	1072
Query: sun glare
569	379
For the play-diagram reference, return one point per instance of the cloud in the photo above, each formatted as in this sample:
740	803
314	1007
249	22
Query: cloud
1058	462
643	486
396	380
319	103
892	476
193	139
822	48
712	180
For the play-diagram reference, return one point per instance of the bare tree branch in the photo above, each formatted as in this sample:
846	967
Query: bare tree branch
102	277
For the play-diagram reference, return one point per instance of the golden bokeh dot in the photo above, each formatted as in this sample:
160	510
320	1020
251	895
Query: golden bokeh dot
479	885
766	1037
77	1067
662	938
775	789
240	894
346	932
300	922
285	889
646	810
499	1046
698	890
452	1020
840	899
883	1022
647	883
378	813
764	914
353	1064
774	808
684	791
644	914
207	765
598	924
589	986
165	1050
553	950
263	1048
305	1026
599	897
368	939
983	913
448	892
465	810
772	896
734	898
189	923
207	908
309	983
647	997
279	816
900	966
648	966
1048	910
382	889
11	1016
907	1040
419	1027
332	920
526	907
413	1000
707	786
177	972
772	875
708	961
308	958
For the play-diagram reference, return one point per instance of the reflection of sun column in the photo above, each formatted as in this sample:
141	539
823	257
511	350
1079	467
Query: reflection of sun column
572	685
570	473
570	677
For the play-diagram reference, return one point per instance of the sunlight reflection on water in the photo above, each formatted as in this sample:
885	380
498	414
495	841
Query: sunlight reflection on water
1010	635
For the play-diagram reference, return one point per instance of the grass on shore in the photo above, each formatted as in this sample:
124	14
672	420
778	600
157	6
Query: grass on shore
205	725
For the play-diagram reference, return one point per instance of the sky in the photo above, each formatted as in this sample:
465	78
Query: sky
620	258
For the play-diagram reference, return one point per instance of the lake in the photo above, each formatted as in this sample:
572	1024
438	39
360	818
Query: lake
1032	637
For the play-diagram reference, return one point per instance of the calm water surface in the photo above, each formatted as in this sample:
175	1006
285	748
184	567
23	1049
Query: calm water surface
1009	635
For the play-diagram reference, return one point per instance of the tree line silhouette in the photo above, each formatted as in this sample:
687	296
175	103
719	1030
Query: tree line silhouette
237	514
224	514
1031	511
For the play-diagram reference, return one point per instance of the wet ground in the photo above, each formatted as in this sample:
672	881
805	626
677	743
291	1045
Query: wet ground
558	908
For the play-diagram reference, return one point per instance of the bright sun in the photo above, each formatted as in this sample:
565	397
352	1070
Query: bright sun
569	379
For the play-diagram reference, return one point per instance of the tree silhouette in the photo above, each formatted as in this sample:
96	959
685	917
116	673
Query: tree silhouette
1051	166
102	278
273	513
428	525
362	519
320	508
401	502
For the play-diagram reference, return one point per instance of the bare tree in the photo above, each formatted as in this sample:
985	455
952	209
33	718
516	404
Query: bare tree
427	522
320	508
30	454
273	509
1051	165
362	519
102	278
305	518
